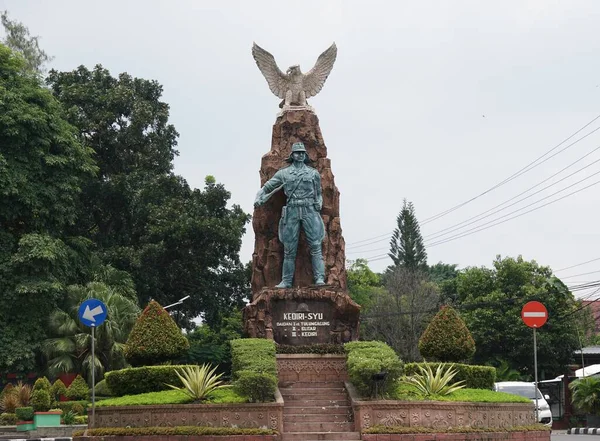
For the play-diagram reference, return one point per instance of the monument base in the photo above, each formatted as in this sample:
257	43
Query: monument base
302	316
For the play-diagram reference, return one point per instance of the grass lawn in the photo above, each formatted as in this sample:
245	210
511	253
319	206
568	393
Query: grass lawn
223	395
406	392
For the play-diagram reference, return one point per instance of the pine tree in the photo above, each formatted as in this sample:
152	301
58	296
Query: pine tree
406	247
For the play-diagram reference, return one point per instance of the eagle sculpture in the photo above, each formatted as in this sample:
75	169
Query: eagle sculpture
294	87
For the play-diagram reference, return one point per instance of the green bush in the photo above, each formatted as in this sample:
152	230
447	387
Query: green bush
81	419
8	419
475	377
144	379
253	354
78	390
58	389
447	338
24	413
258	387
102	389
155	338
42	384
40	400
367	358
317	348
76	406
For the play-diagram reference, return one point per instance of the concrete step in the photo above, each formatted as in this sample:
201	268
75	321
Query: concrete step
313	390
311	385
319	403
320	436
315	396
294	408
317	427
302	417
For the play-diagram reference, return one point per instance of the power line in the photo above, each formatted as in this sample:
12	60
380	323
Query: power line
579	264
478	229
523	170
481	215
495	222
582	274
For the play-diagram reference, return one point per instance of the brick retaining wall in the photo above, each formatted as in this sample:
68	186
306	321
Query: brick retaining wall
311	367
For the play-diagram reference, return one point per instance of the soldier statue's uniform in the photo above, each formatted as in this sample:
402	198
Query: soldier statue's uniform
302	186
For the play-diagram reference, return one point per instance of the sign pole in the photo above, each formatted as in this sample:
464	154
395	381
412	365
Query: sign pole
94	378
536	376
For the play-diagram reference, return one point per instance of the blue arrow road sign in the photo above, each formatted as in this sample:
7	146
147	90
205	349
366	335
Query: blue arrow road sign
92	313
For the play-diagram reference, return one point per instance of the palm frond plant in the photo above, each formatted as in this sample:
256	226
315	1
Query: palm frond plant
428	383
585	394
198	381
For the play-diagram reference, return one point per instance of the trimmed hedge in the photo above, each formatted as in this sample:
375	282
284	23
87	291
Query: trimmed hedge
253	354
24	413
177	430
475	377
76	406
78	389
254	368
317	348
133	381
8	419
102	389
367	358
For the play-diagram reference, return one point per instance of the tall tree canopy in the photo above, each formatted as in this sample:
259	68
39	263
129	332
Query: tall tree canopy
42	169
18	39
490	301
406	246
174	240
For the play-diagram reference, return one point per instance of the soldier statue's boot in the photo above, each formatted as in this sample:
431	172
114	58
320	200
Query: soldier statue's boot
318	265
289	266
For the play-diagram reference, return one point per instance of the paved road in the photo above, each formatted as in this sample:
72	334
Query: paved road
561	435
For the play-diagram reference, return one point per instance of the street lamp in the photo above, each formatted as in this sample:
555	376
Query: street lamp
178	302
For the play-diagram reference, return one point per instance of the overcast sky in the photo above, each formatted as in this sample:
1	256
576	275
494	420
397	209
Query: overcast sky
435	102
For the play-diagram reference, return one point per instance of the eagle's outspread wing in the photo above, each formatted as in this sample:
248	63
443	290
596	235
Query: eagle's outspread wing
277	80
314	79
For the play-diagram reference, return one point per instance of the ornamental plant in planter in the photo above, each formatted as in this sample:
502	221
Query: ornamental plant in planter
25	419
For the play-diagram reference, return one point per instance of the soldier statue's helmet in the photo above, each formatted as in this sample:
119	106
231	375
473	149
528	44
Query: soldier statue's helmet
298	147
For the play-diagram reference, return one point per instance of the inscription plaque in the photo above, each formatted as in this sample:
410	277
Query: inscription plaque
301	322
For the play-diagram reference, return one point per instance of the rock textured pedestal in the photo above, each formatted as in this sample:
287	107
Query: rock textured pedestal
318	314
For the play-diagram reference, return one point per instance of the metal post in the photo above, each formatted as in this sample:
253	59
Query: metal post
536	377
93	366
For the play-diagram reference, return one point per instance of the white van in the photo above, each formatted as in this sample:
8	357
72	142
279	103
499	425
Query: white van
525	389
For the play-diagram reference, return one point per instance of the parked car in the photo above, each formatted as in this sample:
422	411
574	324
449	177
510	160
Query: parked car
528	390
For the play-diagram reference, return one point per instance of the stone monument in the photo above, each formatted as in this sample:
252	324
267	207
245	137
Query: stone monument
299	291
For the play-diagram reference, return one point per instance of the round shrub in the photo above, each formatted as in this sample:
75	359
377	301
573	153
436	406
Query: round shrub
447	338
40	400
258	387
78	390
8	419
155	338
58	389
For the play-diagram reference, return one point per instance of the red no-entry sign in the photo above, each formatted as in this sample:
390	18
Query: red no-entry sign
534	314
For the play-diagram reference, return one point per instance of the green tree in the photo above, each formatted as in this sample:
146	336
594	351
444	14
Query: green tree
406	247
447	338
18	39
363	283
42	169
210	345
490	301
155	338
400	313
442	272
174	240
68	349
